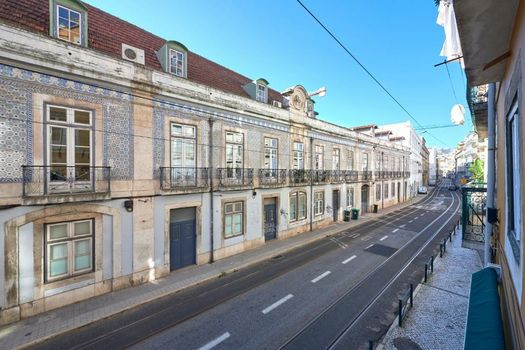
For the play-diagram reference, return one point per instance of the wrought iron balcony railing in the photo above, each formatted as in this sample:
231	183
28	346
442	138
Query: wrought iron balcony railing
336	176
172	178
272	177
320	176
365	175
351	176
299	176
235	176
406	174
44	180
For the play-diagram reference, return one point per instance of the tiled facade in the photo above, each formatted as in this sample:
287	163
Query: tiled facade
133	109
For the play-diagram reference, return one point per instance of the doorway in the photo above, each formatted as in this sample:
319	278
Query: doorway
335	204
365	189
270	219
399	192
182	238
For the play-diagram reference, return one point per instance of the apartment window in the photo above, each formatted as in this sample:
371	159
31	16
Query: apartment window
69	25
298	155
365	162
297	206
377	162
318	203
393	190
385	189
176	62
234	152
183	146
336	159
68	249
69	148
261	94
350	160
378	192
270	153
513	177
233	219
319	157
350	197
385	164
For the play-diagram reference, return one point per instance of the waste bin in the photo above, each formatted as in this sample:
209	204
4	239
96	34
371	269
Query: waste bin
374	209
346	215
355	214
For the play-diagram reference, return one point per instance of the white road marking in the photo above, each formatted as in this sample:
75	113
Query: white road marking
355	235
349	259
416	218
410	221
370	246
338	242
395	230
402	225
215	342
277	303
321	276
422	215
366	238
383	238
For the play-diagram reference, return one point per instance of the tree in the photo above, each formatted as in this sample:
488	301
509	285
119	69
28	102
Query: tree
476	169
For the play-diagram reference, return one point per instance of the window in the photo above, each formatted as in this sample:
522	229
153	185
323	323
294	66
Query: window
336	159
385	189
378	192
234	153
318	203
298	155
297	206
385	163
393	190
378	162
270	153
350	160
261	93
233	219
176	62
68	249
365	162
350	197
319	157
513	180
69	25
183	153
69	148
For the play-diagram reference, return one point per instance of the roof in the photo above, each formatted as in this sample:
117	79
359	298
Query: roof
34	15
364	127
383	133
397	138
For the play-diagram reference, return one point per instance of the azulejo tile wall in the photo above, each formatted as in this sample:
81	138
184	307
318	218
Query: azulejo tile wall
16	120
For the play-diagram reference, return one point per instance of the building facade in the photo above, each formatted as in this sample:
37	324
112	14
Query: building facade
125	156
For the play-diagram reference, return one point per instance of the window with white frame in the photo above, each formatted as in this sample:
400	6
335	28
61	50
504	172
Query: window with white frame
298	155
350	197
385	189
297	206
69	25
318	203
377	162
177	62
183	153
69	148
261	93
270	153
378	192
233	219
319	157
350	160
364	163
336	159
234	153
513	170
68	249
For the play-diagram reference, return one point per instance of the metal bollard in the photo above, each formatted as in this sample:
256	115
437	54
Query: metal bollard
426	269
411	295
371	345
444	245
440	250
432	263
400	313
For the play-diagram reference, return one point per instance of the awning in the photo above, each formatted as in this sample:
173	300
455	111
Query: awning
484	325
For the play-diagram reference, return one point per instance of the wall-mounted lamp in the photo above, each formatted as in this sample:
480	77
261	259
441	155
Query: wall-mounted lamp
128	205
283	212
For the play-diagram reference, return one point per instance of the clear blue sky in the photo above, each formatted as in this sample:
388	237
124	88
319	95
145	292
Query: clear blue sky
398	41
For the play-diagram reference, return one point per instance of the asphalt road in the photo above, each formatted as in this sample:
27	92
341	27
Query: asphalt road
338	292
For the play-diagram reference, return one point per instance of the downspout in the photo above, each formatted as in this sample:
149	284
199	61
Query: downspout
210	173
491	168
311	183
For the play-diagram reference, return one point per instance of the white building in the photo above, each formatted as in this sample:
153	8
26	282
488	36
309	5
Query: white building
433	167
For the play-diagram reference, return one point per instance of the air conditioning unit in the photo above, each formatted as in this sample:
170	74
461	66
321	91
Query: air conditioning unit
277	104
133	54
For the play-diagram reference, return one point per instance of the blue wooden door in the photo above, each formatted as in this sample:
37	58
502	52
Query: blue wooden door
182	244
270	222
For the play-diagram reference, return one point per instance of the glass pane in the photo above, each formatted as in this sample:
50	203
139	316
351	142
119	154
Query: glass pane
57	231
82	247
58	173
58	267
189	131
228	225
82	155
82	137
82	254
82	117
82	173
74	16
237	221
58	251
176	129
63	12
58	136
63	29
82	262
82	228
58	114
58	155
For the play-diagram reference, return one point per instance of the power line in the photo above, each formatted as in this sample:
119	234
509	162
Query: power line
451	84
364	68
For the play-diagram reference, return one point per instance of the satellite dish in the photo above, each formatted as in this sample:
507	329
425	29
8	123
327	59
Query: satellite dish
457	114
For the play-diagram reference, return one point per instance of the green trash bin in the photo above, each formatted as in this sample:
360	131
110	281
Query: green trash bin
346	215
355	214
374	209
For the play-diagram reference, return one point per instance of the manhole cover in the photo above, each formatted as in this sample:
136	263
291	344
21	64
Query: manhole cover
380	249
403	343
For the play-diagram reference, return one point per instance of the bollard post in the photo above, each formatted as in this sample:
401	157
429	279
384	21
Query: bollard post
411	295
444	245
400	311
440	250
432	263
426	269
450	237
370	345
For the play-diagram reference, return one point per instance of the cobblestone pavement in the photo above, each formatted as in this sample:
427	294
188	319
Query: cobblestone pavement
438	318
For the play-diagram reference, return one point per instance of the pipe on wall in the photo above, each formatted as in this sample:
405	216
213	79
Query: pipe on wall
491	166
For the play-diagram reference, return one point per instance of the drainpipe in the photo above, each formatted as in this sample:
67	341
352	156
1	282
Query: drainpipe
210	173
491	166
311	184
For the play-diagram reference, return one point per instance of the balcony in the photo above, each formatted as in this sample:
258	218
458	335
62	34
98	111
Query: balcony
351	176
235	177
406	174
365	175
477	98
186	179
57	184
299	177
336	176
320	176
272	177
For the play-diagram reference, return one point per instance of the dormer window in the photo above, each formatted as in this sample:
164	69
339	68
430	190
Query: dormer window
69	19
177	62
261	93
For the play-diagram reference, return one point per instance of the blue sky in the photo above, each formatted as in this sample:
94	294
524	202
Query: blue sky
398	41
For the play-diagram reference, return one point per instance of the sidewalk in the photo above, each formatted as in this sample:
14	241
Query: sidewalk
439	316
52	323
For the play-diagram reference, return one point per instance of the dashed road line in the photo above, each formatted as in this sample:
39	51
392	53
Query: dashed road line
349	259
395	230
277	303
402	225
370	246
355	235
383	238
321	276
215	342
410	221
366	238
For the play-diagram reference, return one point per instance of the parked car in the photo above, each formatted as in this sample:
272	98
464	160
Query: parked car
422	190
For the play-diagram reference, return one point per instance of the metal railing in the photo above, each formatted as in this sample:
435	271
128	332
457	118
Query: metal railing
320	176
235	176
365	175
404	305
299	176
184	177
44	180
474	203
336	176
272	177
351	176
406	174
